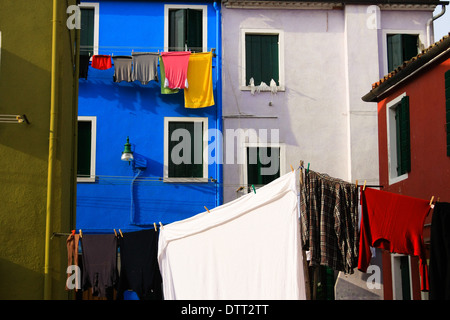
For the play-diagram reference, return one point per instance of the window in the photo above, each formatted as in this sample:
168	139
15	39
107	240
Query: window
262	57
259	158
89	28
87	128
263	164
401	277
185	28
400	48
185	149
447	108
399	146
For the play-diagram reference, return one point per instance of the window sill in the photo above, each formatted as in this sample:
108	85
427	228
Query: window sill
85	179
248	88
393	180
185	180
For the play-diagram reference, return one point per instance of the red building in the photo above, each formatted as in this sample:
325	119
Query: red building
414	147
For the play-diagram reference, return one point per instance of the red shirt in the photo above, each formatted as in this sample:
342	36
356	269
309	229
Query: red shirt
101	62
176	67
395	223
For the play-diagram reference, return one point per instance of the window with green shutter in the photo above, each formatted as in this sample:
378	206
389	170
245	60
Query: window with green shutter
261	58
87	31
258	158
400	48
186	30
185	149
403	136
447	109
86	148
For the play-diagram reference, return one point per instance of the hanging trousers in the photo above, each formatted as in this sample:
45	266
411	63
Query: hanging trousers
72	252
439	269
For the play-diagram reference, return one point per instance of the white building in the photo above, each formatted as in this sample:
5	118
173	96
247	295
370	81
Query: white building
322	55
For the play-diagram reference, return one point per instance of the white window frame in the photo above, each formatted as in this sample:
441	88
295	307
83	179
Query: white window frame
387	32
396	274
246	145
204	9
392	140
204	121
243	85
96	7
93	121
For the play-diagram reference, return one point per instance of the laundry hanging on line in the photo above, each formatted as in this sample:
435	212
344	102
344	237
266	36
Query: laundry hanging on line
176	68
248	248
199	76
394	223
439	268
329	221
101	62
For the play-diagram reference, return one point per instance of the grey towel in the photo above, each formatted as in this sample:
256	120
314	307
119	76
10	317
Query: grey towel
122	68
145	68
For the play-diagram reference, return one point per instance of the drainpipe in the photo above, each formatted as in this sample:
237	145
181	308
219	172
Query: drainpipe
430	38
219	124
51	156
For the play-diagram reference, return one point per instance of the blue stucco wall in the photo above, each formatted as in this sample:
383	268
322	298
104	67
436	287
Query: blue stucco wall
138	111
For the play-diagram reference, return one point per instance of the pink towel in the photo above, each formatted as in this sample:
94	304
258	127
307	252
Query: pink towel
176	66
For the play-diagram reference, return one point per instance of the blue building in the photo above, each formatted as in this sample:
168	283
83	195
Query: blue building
153	187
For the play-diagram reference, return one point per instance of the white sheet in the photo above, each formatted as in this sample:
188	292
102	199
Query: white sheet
247	249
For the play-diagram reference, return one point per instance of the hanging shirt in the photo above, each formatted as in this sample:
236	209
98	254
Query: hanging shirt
164	89
122	68
145	67
440	252
139	265
176	68
200	91
329	220
101	62
99	254
395	223
246	249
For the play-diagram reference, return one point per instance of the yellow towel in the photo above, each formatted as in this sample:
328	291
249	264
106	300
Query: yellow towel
199	94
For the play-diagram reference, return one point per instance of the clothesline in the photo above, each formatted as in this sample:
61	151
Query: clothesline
158	49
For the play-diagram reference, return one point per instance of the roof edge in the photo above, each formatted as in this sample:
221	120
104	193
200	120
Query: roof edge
428	57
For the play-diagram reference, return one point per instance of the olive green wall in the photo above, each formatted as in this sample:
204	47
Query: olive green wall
25	88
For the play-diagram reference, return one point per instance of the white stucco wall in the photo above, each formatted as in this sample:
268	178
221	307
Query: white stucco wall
331	58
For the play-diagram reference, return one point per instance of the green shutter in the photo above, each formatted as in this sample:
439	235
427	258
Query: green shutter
84	148
403	137
192	169
395	52
177	26
447	108
409	43
254	175
186	30
400	48
87	31
261	58
194	32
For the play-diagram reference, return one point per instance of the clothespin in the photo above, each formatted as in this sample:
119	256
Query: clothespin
431	201
81	234
154	225
120	231
207	209
307	168
356	184
115	232
73	232
254	190
239	189
161	225
292	168
364	187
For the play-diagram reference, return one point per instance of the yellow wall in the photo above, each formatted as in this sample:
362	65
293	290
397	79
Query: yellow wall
25	87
